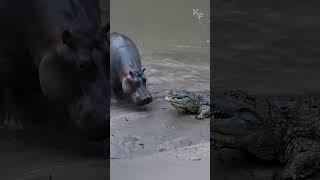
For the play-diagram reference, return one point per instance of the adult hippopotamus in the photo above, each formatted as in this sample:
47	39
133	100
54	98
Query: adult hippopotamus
58	48
126	74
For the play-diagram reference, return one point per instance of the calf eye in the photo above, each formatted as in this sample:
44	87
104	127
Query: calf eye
144	80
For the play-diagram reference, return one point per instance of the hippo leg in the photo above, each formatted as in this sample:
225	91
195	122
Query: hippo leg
119	96
116	91
114	98
9	75
13	114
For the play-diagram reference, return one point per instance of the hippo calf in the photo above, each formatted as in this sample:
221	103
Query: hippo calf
127	77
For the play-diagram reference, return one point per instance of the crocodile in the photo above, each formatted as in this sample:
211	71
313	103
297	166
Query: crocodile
285	129
193	102
232	100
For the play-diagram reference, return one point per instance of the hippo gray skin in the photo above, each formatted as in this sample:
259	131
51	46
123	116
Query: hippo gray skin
126	74
59	49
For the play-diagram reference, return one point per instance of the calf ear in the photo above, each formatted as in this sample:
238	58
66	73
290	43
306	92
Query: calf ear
58	79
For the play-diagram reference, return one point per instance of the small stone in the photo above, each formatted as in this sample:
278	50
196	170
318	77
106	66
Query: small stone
195	158
162	150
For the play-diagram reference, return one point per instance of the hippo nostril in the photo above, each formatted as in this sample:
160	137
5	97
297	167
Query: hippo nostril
147	100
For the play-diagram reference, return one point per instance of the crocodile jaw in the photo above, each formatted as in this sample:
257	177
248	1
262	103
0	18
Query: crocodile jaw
180	104
176	105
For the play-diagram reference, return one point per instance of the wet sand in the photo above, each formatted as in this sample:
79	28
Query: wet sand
166	165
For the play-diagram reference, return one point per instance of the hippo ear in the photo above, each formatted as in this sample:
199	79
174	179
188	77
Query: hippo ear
57	78
67	38
106	30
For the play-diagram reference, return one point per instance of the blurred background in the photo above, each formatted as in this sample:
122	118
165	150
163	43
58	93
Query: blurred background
266	46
